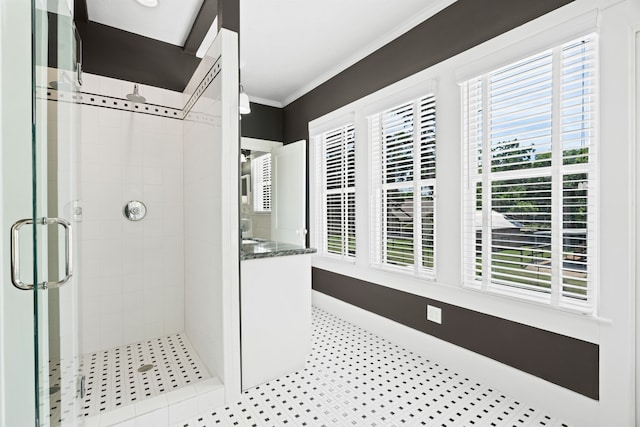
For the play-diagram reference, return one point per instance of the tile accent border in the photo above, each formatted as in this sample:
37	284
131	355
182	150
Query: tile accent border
204	84
123	104
104	101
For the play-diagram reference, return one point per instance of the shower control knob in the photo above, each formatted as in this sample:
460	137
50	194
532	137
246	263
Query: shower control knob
76	207
134	210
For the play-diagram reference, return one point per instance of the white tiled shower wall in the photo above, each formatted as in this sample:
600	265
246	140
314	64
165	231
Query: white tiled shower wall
203	182
132	278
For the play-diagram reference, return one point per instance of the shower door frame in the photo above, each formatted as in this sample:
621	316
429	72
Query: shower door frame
30	254
17	397
55	64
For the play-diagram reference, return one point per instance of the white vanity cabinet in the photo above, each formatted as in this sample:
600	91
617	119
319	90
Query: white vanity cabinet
275	316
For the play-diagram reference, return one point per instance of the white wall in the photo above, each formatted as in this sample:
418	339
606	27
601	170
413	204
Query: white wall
203	234
613	327
132	273
617	216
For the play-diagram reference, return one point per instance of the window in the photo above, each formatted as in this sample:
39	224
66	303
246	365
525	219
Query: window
337	168
530	146
261	173
403	154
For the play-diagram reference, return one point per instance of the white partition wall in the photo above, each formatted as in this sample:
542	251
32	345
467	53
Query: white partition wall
203	246
211	146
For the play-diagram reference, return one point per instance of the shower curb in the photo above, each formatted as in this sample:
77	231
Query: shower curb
166	409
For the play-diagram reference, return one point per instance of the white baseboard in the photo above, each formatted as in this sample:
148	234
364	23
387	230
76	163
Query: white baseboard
557	401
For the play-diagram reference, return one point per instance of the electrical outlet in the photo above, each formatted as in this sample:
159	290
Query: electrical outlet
434	314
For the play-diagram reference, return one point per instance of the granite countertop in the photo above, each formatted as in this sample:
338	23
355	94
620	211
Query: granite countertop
259	248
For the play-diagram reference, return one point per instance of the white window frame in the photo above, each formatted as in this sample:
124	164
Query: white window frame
378	235
344	191
258	185
555	171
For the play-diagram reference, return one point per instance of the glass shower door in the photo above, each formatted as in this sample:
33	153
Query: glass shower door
59	383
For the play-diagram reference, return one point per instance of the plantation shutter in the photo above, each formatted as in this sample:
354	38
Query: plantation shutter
262	183
403	145
529	164
337	167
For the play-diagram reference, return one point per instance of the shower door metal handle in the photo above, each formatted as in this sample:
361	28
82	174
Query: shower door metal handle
68	252
15	253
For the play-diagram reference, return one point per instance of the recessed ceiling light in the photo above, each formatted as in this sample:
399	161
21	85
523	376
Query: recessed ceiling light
148	3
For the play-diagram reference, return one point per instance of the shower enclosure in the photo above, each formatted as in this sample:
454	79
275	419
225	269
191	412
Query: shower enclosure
40	357
85	287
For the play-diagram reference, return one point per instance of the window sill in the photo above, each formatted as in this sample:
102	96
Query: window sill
406	272
533	297
335	258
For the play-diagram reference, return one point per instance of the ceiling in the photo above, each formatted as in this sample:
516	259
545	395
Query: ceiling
287	47
169	22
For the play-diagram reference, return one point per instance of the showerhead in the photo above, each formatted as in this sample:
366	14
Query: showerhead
60	85
135	96
64	84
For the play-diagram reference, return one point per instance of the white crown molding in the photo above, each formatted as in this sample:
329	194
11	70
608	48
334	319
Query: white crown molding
264	101
370	48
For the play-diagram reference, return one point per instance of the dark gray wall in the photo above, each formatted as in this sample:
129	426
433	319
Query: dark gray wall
562	360
264	122
201	25
461	26
229	15
115	53
118	54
